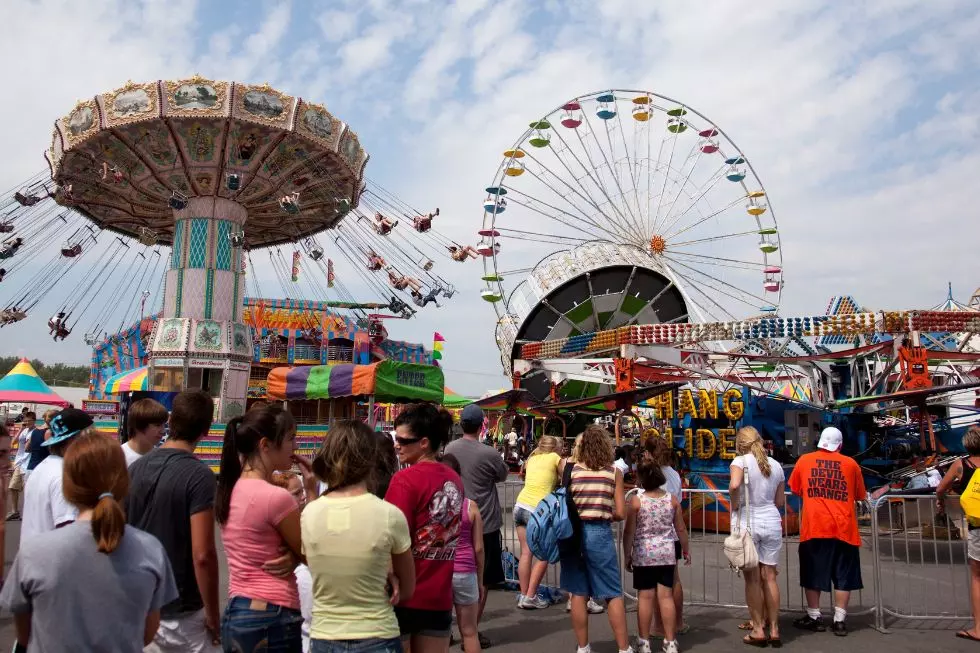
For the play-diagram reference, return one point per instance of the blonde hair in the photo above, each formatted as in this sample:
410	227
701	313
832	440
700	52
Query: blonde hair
748	441
547	444
971	440
576	448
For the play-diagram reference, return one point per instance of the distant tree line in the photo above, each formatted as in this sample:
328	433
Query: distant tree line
76	376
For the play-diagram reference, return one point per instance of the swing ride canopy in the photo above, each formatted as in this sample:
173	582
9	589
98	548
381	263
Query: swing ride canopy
124	155
387	381
23	385
129	381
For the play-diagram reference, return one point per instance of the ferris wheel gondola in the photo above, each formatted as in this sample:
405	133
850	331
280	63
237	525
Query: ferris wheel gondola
637	209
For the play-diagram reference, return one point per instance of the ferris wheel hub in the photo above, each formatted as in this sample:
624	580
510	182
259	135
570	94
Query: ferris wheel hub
657	244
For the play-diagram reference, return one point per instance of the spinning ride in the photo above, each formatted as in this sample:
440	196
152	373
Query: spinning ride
635	209
213	169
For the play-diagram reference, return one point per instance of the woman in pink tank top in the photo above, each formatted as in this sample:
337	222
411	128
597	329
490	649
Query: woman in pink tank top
257	520
468	586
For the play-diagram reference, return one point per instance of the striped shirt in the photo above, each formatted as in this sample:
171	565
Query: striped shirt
594	492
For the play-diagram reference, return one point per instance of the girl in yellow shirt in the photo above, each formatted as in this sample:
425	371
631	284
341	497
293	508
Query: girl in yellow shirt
540	479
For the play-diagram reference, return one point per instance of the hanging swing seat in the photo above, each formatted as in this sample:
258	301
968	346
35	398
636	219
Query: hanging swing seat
71	250
6	227
25	198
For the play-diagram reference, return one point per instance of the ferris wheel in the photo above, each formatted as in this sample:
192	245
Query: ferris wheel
625	207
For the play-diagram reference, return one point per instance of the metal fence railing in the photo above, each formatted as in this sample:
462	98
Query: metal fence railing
913	560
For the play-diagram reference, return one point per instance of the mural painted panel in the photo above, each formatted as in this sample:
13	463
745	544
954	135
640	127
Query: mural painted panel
207	336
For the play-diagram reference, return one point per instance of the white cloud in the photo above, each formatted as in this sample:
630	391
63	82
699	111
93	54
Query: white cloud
337	25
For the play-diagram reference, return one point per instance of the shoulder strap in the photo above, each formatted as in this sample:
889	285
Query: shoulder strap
566	478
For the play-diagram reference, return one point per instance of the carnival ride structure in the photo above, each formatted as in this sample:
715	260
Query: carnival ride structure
658	261
635	209
162	197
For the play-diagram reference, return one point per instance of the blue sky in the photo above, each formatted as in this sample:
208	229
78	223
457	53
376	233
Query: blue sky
862	119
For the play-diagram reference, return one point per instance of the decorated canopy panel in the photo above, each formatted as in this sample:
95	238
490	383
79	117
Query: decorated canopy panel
126	154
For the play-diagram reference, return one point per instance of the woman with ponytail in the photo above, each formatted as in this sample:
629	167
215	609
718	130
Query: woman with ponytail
97	559
763	477
259	520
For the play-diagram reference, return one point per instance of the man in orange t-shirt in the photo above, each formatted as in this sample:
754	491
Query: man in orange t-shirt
829	483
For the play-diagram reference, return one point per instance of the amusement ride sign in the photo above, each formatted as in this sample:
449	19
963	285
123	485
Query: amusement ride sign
690	414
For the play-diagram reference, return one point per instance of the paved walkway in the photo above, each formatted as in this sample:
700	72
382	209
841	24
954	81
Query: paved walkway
520	631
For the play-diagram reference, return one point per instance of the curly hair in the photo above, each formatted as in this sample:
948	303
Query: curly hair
596	451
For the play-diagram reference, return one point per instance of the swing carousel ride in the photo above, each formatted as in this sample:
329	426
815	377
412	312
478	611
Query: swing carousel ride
159	196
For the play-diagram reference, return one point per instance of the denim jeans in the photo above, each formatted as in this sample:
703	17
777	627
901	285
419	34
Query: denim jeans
372	645
247	629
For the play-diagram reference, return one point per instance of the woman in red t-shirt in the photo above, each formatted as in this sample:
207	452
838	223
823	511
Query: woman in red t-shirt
431	497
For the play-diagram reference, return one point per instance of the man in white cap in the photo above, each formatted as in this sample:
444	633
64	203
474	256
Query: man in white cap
829	483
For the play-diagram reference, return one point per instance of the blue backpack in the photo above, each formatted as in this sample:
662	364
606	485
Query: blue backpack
552	527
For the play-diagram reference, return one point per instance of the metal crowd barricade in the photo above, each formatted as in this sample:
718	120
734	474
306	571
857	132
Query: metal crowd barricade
913	561
921	569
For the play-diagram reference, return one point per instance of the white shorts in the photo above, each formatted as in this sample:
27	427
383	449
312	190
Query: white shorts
184	634
973	544
768	538
466	590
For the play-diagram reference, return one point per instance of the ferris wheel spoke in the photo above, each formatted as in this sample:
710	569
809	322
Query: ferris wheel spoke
663	188
699	194
704	219
707	260
733	287
710	239
716	264
528	205
637	217
692	157
586	218
612	172
691	285
589	173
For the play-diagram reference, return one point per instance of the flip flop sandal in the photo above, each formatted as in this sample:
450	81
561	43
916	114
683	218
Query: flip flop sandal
775	642
745	625
966	635
761	642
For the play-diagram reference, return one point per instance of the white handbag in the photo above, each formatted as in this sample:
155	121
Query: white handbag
739	546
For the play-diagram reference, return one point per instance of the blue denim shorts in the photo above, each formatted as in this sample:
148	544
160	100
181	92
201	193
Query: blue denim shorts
249	626
521	516
372	645
595	572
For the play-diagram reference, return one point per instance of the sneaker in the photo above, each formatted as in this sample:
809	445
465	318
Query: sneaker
13	516
670	647
584	649
484	641
643	646
839	628
533	603
595	608
520	599
568	606
807	622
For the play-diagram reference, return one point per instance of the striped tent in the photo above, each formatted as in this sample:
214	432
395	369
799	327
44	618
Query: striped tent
23	385
386	381
129	381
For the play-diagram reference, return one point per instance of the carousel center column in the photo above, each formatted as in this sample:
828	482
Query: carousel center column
200	341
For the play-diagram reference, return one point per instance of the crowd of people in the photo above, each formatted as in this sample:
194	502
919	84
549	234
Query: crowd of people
379	543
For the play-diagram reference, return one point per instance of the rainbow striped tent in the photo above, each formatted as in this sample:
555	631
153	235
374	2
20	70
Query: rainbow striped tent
129	381
22	385
388	381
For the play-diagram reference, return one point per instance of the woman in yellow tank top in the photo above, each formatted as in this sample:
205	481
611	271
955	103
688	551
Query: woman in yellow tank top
540	479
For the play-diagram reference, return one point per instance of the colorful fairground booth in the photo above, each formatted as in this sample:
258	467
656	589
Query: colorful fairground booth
323	393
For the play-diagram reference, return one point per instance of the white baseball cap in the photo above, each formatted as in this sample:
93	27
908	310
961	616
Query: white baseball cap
831	439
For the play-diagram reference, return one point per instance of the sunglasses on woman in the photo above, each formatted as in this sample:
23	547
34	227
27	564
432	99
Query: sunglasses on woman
403	442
